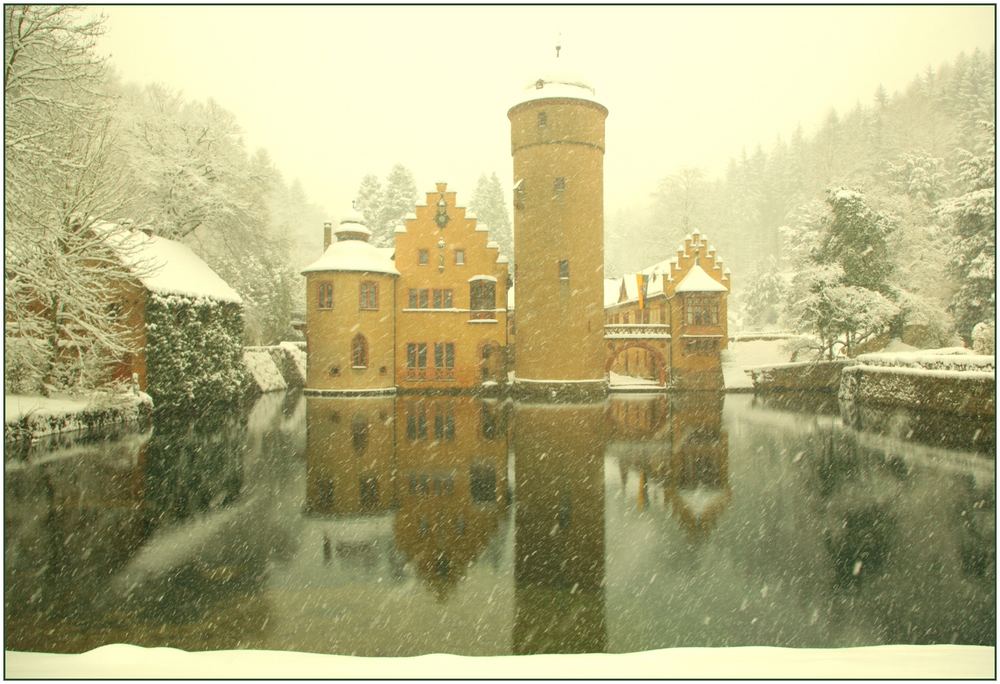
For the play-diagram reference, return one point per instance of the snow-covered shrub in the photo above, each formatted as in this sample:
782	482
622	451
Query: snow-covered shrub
193	351
297	355
262	373
984	336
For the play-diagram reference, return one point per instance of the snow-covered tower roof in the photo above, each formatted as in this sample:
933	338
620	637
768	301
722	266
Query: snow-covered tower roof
558	79
353	252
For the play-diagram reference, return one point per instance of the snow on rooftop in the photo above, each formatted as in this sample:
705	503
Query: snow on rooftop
168	267
482	228
612	288
492	245
698	281
501	259
483	277
354	255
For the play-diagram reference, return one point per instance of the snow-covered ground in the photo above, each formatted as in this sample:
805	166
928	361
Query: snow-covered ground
870	662
743	355
49	415
629	381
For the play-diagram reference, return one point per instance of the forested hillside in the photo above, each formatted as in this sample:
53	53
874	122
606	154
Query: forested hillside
922	160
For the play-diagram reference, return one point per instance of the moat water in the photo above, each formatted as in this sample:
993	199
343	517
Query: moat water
411	525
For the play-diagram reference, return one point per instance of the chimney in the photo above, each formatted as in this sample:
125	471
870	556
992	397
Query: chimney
327	234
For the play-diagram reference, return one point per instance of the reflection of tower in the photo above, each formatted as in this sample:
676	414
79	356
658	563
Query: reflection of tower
699	484
452	459
559	529
557	141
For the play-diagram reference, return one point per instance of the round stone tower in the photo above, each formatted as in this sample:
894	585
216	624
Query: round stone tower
557	141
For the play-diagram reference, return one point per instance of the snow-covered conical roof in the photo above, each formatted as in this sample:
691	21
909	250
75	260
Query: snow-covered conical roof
557	78
352	224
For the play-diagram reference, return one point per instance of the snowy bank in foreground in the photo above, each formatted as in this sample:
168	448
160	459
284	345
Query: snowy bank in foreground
30	417
870	662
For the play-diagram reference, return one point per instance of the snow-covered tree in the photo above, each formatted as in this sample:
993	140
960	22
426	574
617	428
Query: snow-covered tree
839	316
855	238
384	205
491	209
973	253
764	295
63	325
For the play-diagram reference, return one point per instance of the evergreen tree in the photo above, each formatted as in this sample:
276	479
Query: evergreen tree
383	206
855	238
973	254
491	209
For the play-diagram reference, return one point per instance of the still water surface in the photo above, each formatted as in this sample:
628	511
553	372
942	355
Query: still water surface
410	525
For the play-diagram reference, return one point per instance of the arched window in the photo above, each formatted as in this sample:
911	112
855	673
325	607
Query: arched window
325	300
369	295
359	351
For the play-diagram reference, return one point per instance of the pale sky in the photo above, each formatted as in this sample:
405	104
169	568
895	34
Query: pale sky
334	93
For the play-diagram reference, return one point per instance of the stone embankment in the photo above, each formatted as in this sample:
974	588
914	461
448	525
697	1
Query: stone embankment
27	418
953	380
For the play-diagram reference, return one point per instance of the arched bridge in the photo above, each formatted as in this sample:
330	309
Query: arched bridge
638	350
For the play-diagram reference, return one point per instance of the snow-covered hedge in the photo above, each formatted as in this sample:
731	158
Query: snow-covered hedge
296	353
948	359
949	391
804	376
193	350
263	374
27	418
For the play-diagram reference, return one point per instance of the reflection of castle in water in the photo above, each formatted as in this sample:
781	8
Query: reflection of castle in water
678	452
559	567
417	480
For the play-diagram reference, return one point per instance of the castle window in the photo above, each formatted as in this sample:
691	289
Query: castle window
543	119
423	258
564	269
368	493
442	299
359	433
701	310
416	428
483	484
520	194
369	295
325	300
444	358
444	424
459	257
482	298
359	351
413	298
416	355
423	299
559	185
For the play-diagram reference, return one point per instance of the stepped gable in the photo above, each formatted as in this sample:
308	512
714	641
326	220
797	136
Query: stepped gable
462	226
694	250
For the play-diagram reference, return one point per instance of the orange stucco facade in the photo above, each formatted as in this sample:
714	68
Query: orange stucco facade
334	332
696	328
452	291
441	318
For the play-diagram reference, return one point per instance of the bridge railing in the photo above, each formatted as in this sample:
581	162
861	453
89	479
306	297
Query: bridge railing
625	331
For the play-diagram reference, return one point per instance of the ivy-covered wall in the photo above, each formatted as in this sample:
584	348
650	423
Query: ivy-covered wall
194	351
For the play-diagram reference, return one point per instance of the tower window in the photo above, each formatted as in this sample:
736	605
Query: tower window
559	185
520	194
423	257
369	295
564	269
325	300
543	119
359	352
459	257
